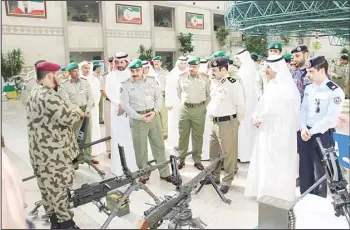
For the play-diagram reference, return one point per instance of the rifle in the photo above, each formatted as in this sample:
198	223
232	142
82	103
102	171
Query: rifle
176	207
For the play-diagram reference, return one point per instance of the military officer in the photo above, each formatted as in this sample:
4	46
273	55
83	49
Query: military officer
64	73
142	100
193	91
226	108
288	58
29	83
320	109
343	74
50	130
78	92
161	74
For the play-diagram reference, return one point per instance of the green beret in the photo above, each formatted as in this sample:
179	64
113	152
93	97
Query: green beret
287	56
96	65
157	58
219	54
275	45
136	63
63	68
194	60
260	57
254	54
95	62
72	66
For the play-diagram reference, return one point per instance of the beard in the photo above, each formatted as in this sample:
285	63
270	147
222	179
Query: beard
121	68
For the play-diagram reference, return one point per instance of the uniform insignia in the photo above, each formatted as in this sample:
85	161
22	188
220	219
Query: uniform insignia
298	48
105	73
337	100
332	86
276	46
215	63
137	65
121	89
308	64
231	79
223	80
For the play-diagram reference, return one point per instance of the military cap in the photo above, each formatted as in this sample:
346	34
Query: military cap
275	45
157	58
121	55
254	54
136	63
219	54
182	58
260	57
203	61
48	66
218	62
37	62
194	60
230	60
241	51
110	59
72	66
63	68
287	56
299	48
344	57
315	61
95	62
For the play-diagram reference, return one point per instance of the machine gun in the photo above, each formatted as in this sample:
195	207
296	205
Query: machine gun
83	145
272	214
175	208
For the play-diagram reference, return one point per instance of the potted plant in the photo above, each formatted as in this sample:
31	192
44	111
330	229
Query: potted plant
186	43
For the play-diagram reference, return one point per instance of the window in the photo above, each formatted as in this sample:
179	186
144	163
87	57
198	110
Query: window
163	16
83	11
167	59
218	21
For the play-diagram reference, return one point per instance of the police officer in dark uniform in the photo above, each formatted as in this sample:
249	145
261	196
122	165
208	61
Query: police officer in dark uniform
321	106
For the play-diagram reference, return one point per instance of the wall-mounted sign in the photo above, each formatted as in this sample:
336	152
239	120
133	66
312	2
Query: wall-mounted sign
31	9
194	21
129	14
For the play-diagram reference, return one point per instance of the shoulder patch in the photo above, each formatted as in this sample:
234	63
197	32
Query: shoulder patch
332	86
231	79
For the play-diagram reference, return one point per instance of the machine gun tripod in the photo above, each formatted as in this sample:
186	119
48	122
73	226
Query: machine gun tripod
82	146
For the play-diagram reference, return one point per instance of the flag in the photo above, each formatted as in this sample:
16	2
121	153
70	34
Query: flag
195	20
130	14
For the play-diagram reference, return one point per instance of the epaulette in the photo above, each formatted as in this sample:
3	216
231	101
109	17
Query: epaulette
105	73
332	86
231	79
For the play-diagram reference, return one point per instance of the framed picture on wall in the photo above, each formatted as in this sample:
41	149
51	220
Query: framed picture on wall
194	21
129	14
30	9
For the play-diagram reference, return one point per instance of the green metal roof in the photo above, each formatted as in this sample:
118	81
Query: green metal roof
289	18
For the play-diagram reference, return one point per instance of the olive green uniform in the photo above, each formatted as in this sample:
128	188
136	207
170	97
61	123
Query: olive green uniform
137	98
29	83
342	77
194	95
79	93
161	74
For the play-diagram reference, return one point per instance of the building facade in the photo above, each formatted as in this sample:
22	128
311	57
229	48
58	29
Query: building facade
64	31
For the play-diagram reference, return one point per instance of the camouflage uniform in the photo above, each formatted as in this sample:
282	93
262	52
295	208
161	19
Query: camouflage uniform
79	93
50	131
161	74
343	78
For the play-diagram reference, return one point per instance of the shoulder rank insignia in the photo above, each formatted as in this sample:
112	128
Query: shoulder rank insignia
231	79
105	73
332	86
223	80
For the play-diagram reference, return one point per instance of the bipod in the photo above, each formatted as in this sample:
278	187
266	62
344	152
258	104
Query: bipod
184	219
212	182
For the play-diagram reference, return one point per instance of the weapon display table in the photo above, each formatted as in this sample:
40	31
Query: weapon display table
314	212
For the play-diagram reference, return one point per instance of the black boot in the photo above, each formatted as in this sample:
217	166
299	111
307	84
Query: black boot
68	224
54	222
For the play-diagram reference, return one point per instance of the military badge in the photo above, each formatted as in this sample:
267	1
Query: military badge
308	64
215	63
298	48
137	65
337	100
276	46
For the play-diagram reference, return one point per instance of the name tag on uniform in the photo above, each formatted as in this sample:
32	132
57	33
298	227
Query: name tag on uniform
82	91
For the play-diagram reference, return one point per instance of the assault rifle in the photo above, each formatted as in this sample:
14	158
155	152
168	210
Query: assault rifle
175	208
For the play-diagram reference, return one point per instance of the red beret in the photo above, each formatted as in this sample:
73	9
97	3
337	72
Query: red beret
48	66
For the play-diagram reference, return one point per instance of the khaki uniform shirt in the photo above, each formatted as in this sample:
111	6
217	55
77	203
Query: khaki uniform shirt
77	92
50	122
140	95
343	72
161	74
193	90
29	83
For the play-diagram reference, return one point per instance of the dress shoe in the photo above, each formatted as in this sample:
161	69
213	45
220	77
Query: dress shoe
199	166
95	162
143	180
224	189
167	179
165	137
181	165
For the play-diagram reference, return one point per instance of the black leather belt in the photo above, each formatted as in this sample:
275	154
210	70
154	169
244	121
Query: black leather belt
225	118
145	111
194	105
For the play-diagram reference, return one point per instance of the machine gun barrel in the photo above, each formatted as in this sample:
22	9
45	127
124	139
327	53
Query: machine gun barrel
155	215
84	146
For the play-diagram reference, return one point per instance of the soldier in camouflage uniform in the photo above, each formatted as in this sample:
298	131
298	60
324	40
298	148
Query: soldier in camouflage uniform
29	83
141	99
50	131
77	91
193	91
64	74
161	74
343	74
